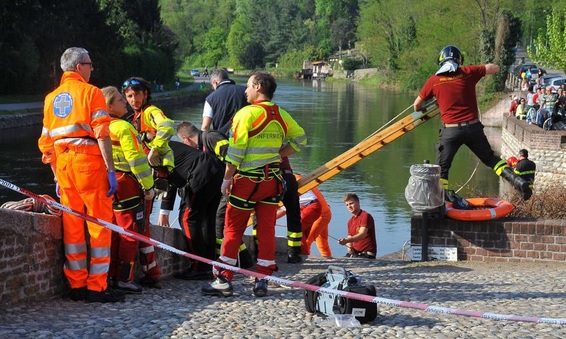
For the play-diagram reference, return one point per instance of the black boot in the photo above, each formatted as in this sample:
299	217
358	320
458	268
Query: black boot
294	255
520	184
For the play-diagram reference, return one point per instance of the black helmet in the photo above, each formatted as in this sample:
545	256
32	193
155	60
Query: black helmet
450	53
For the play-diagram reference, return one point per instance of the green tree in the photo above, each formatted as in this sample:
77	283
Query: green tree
549	47
149	46
506	38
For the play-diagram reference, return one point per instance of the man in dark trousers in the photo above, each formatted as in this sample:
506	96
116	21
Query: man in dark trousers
525	167
221	105
454	87
214	143
198	176
293	211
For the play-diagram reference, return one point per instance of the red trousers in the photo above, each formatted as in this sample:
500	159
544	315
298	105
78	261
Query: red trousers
247	195
148	259
124	248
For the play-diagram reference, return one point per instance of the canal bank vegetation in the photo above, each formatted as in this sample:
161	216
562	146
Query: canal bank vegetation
157	39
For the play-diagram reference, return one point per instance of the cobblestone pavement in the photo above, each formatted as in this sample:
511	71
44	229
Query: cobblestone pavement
180	311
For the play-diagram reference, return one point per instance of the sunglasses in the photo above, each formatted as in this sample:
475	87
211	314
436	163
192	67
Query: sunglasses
131	82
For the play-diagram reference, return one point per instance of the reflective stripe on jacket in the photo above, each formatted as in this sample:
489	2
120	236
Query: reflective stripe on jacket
128	154
255	143
75	115
152	119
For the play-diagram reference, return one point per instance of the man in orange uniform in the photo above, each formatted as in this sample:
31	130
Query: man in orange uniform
315	217
75	142
260	135
156	130
135	184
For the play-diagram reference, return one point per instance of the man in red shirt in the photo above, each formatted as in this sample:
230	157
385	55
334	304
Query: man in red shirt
454	87
361	230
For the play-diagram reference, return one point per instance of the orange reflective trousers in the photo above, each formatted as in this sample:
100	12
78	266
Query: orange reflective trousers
319	230
83	183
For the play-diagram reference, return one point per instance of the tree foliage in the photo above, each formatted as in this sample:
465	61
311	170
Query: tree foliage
549	46
155	38
124	38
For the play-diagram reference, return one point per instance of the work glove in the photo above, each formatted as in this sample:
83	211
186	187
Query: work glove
113	183
226	187
149	194
154	158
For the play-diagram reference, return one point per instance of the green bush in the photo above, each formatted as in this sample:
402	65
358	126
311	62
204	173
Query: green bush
351	64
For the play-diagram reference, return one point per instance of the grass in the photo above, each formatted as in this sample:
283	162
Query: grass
546	203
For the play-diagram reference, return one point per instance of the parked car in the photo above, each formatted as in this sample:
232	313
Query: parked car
195	73
545	79
554	83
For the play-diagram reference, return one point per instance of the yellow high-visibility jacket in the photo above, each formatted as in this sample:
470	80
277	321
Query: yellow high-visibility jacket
128	153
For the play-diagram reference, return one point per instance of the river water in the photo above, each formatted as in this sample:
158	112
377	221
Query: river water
336	117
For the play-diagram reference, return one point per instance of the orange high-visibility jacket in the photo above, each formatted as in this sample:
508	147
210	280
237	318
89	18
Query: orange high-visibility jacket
75	115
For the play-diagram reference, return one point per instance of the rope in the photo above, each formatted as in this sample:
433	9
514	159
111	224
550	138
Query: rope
388	123
33	205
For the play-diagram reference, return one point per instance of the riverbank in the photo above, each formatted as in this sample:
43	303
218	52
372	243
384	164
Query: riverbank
31	113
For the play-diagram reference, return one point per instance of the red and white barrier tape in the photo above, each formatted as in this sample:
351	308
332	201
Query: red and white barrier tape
286	282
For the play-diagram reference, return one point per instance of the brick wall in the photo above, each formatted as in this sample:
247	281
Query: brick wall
508	239
32	257
546	148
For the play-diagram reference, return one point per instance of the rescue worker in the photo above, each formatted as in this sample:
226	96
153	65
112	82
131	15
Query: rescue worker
221	105
75	142
261	134
454	87
216	144
361	230
315	217
201	175
293	211
155	130
135	184
525	167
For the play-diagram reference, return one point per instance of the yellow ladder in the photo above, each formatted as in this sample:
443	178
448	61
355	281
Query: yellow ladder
367	147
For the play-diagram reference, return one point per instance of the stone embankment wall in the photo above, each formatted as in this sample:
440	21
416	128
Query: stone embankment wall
35	118
546	148
20	120
32	257
503	240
